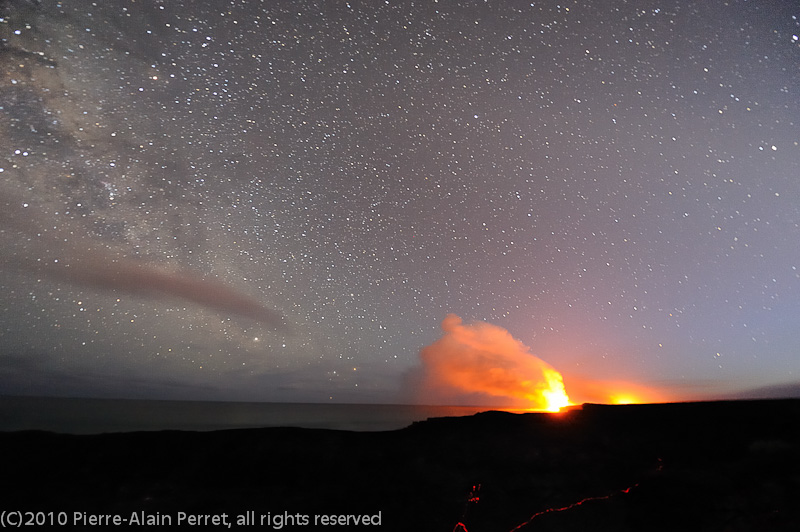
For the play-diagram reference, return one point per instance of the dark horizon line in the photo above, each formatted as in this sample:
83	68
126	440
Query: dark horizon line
516	409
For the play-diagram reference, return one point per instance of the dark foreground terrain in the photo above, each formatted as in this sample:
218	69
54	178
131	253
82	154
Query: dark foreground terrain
695	466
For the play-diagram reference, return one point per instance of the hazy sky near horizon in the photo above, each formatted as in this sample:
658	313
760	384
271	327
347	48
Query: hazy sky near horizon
283	200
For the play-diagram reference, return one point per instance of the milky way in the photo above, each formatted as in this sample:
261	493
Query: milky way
613	183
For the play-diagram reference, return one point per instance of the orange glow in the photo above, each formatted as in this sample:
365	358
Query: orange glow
613	392
555	395
573	505
623	400
482	362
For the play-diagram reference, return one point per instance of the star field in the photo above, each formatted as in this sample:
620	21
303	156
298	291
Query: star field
615	184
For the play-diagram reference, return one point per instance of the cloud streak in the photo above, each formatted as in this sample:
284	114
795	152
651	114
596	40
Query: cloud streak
80	261
138	278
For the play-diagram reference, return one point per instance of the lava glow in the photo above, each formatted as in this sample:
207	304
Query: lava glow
623	400
480	360
615	392
474	499
555	395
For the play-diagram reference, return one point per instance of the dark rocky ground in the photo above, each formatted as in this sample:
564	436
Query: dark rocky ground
695	466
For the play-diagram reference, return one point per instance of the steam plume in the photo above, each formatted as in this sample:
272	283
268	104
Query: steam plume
480	360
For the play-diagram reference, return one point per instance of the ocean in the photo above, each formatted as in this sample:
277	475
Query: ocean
94	416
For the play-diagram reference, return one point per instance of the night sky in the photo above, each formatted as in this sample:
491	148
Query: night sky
283	201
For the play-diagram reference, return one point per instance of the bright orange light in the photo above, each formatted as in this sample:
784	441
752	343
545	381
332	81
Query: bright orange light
623	400
555	395
481	360
613	392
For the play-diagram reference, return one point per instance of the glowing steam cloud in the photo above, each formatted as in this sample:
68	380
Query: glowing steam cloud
480	360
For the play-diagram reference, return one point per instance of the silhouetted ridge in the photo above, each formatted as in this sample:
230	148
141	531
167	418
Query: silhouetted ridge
688	466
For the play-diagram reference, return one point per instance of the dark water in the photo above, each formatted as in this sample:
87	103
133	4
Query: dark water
91	416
